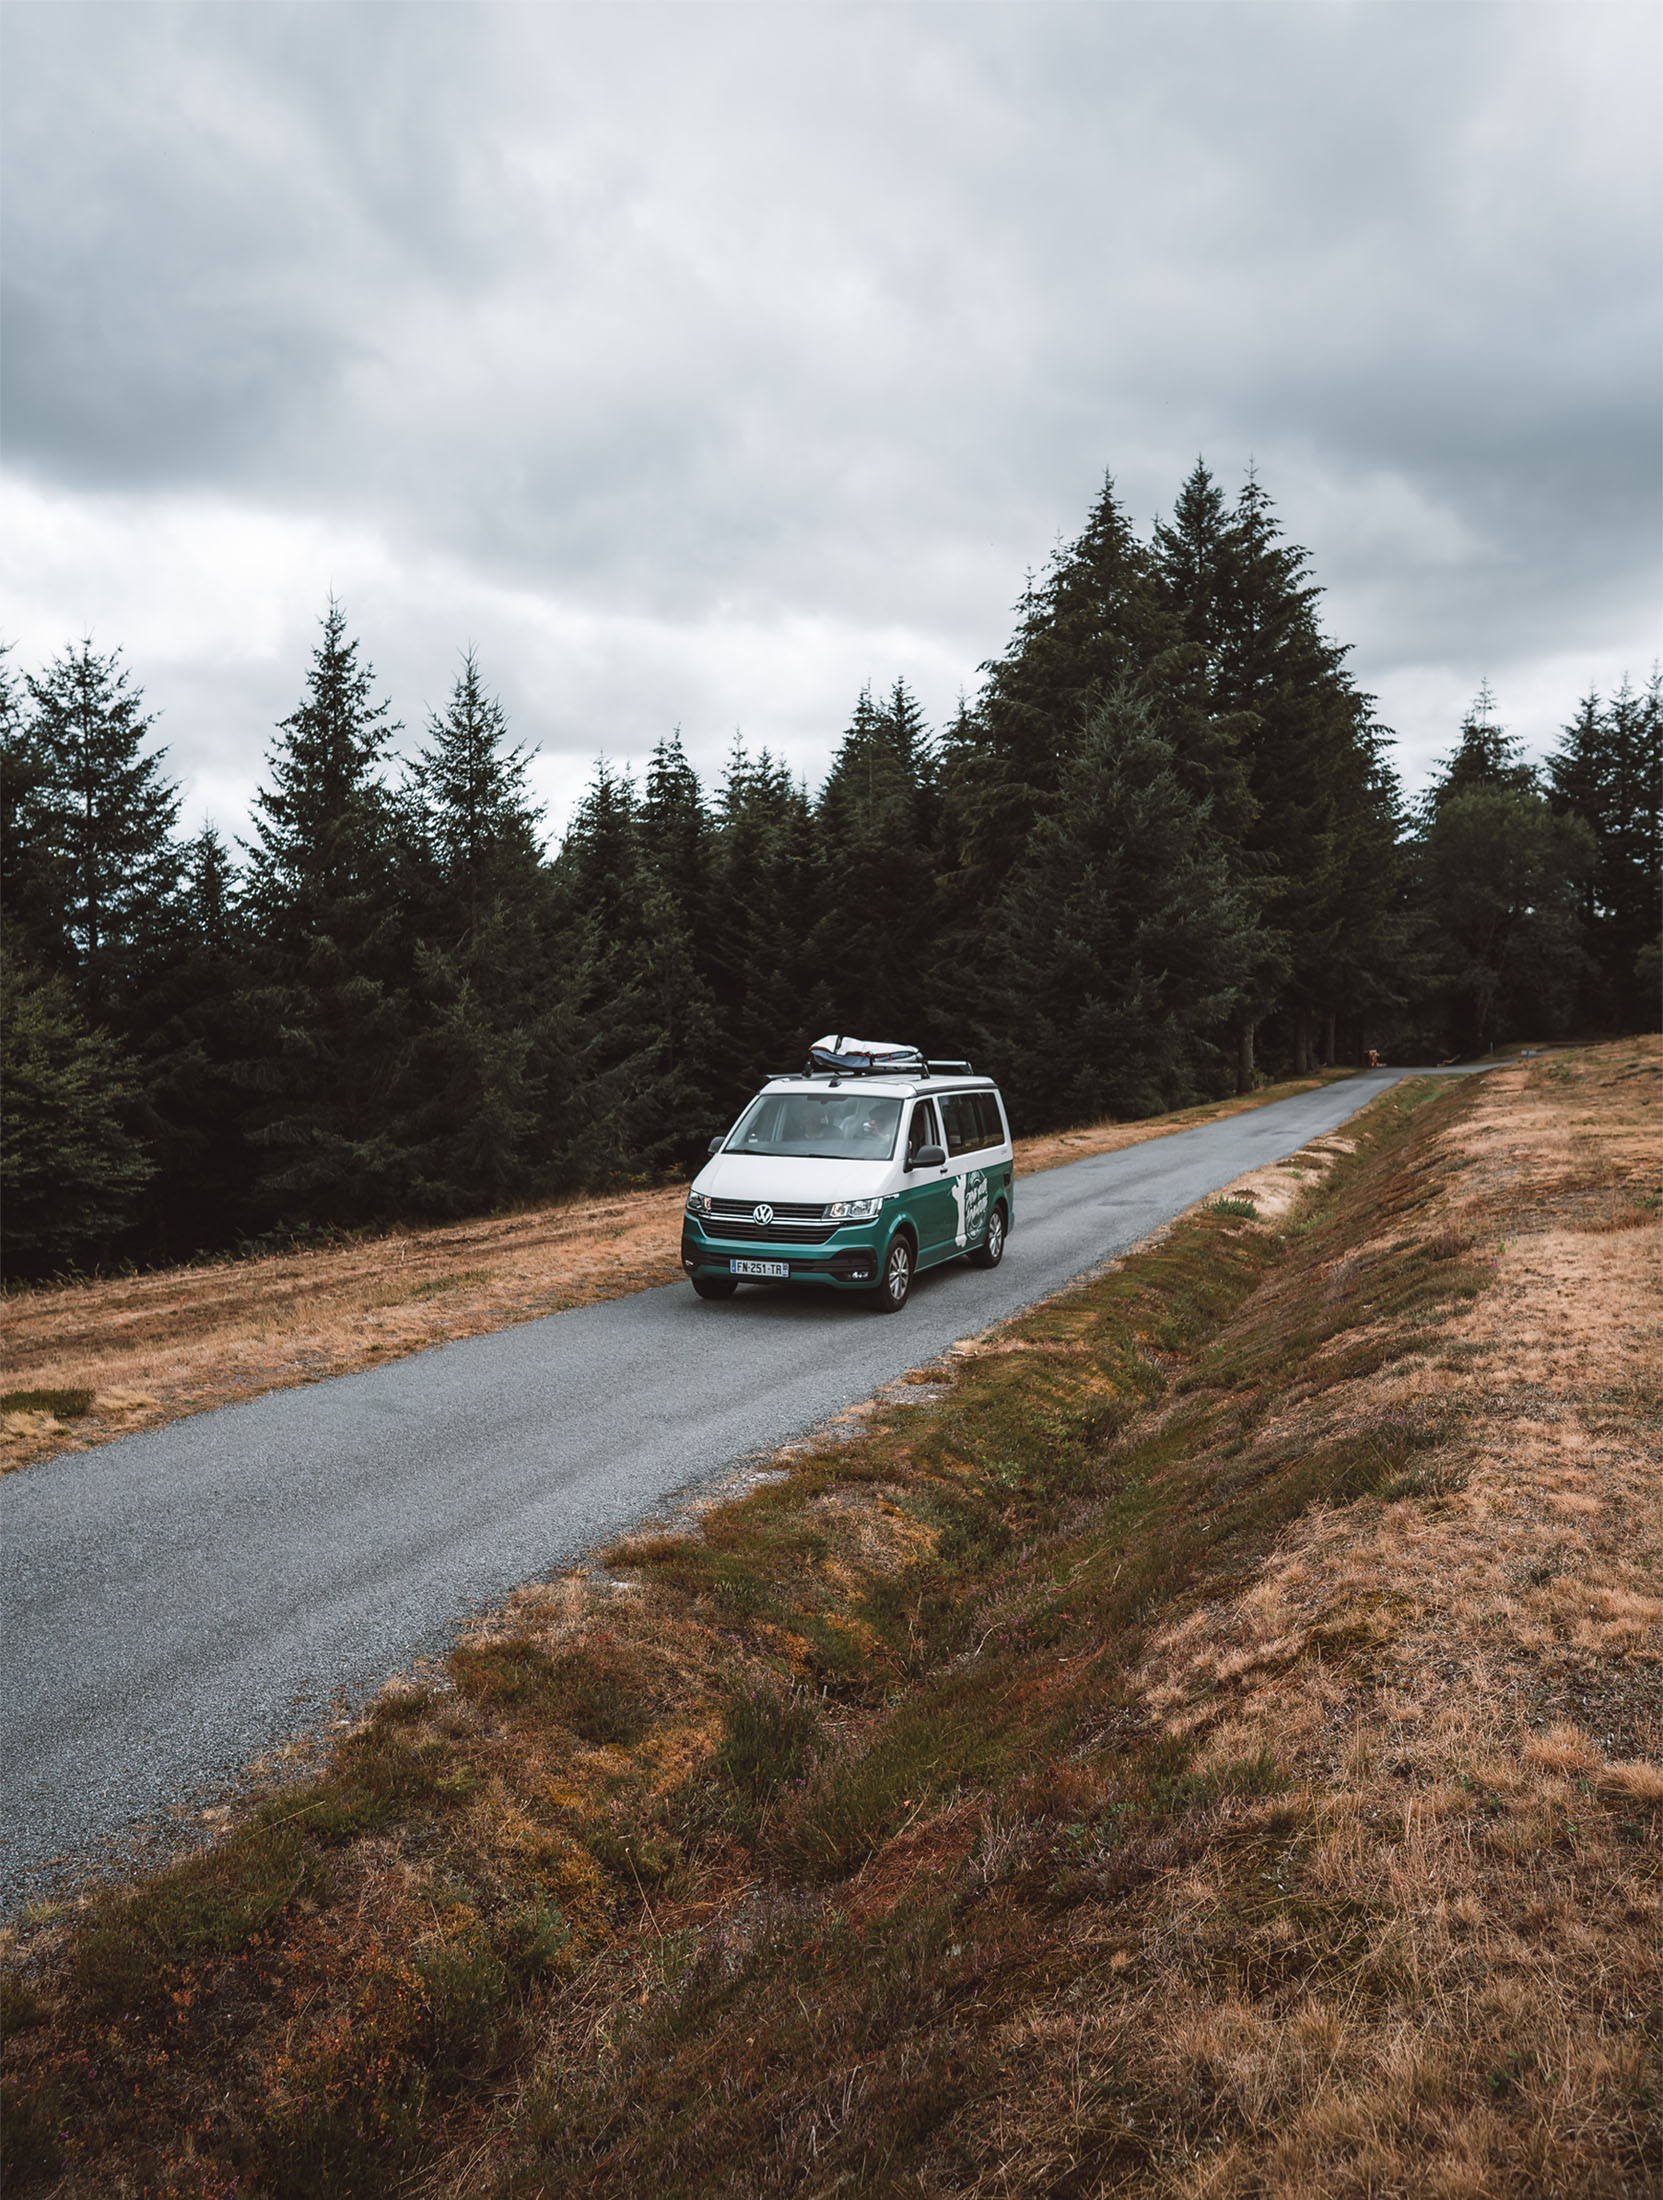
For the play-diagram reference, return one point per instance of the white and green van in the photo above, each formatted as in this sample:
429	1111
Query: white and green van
854	1180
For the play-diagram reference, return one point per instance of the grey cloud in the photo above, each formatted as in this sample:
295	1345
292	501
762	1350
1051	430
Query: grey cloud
706	311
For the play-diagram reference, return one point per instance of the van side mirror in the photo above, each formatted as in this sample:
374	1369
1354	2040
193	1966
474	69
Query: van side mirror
716	1145
928	1157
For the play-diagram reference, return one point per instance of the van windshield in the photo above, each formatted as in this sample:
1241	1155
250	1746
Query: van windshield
819	1126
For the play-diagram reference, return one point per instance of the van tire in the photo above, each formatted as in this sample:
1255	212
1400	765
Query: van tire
895	1286
715	1287
991	1250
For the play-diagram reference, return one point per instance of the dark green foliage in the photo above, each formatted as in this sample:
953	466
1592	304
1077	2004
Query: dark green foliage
480	1006
1322	802
189	1038
1127	942
1095	622
1609	773
877	822
1503	878
33	858
327	1016
72	1172
1161	848
1486	756
638	1012
770	994
94	829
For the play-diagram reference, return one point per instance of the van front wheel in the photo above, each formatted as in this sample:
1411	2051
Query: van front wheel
991	1251
891	1294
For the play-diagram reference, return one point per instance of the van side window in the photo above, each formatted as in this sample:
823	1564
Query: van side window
993	1128
958	1112
923	1131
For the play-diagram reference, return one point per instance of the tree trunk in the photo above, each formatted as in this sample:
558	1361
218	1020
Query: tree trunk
1328	1047
1301	1042
1244	1059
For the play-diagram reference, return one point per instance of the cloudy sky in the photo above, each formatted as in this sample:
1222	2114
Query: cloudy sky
699	363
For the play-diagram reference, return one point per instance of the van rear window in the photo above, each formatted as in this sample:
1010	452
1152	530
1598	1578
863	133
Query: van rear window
972	1120
818	1126
993	1123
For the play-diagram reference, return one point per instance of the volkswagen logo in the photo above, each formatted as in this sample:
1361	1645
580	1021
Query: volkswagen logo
762	1214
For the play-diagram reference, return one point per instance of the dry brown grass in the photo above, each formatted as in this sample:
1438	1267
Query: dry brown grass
1464	1688
151	1348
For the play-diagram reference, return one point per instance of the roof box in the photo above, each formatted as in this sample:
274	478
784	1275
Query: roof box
846	1057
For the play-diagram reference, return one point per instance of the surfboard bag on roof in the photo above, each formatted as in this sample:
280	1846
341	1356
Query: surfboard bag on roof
864	1057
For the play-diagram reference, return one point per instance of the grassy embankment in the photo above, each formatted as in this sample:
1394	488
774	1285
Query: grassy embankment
88	1361
1208	1744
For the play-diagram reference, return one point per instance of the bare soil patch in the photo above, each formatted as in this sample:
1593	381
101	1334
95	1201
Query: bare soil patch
133	1352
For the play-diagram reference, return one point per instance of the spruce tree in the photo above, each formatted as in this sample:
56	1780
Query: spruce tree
1501	875
772	992
1486	755
876	899
675	833
1195	555
638	1023
1320	797
1126	939
188	1050
472	1108
72	1172
1609	772
1094	622
678	851
326	1016
477	823
94	830
34	890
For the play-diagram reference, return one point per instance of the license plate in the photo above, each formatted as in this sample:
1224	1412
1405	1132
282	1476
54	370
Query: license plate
759	1267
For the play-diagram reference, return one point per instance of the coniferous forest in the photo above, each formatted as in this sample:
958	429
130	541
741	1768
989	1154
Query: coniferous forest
1161	855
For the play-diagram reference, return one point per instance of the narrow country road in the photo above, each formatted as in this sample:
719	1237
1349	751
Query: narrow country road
177	1601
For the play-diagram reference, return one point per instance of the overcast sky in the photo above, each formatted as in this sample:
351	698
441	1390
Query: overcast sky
700	363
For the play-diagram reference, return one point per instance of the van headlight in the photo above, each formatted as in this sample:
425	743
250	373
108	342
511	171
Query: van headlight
698	1203
852	1210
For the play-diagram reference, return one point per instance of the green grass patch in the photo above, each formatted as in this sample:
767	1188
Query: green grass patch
204	1909
604	1691
64	1405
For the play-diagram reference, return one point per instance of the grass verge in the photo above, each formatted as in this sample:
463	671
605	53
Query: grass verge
106	1357
1207	1744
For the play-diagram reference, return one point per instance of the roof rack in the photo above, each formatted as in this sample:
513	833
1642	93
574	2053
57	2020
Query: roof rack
905	1064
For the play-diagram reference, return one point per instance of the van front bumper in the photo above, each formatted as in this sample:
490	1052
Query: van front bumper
849	1259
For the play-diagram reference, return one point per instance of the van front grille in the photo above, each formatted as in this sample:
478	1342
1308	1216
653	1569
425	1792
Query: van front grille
785	1210
768	1233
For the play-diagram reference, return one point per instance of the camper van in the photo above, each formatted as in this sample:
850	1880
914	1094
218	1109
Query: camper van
871	1165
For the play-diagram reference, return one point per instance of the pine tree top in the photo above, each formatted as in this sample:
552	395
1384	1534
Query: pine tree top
1486	755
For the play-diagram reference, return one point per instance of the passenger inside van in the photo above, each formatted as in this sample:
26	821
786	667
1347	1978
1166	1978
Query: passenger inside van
818	1126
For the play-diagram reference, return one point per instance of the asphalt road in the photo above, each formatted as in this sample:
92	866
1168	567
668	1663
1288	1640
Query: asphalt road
178	1601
